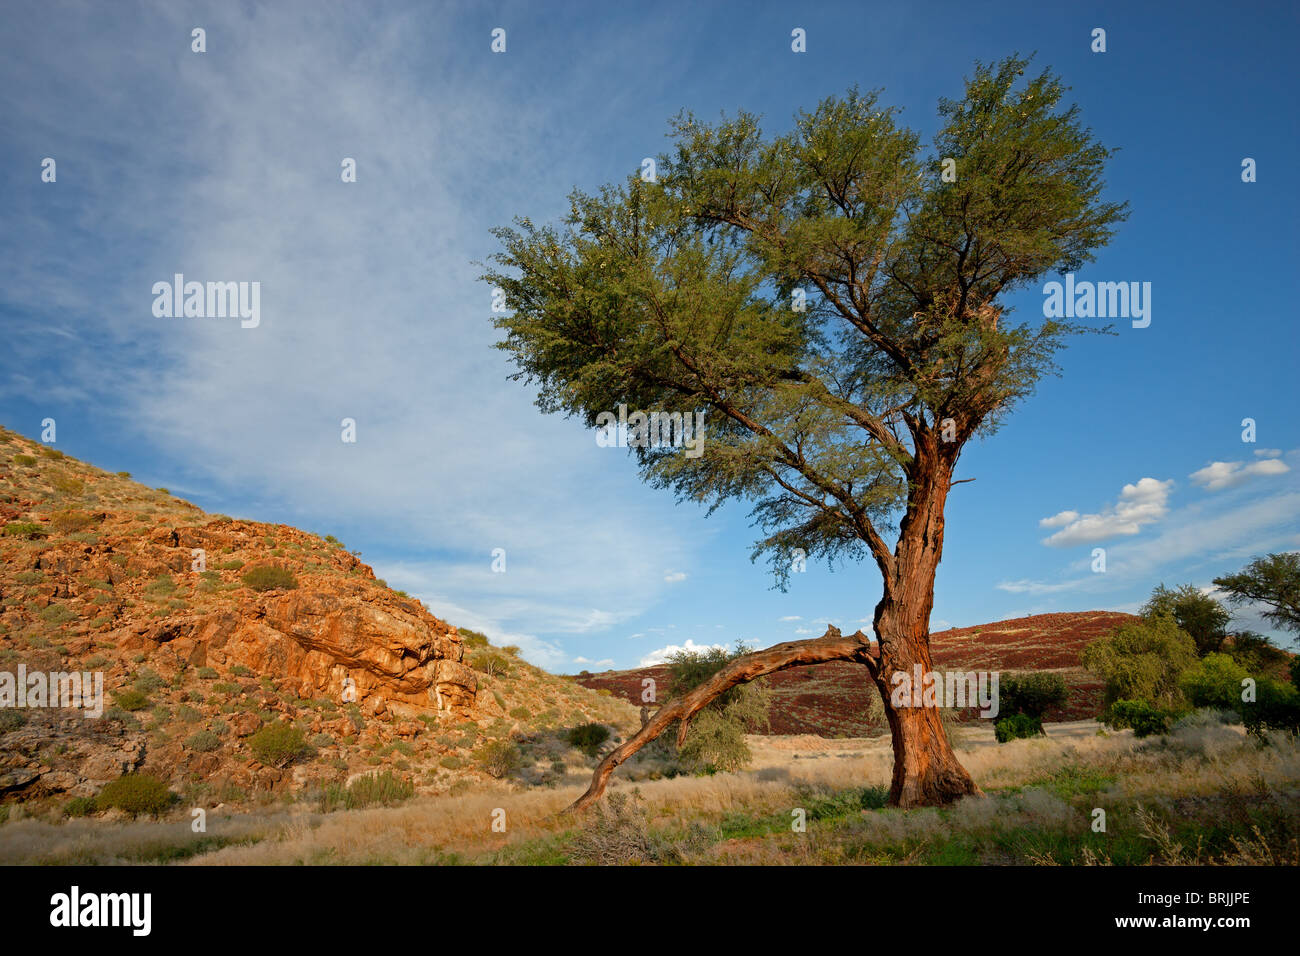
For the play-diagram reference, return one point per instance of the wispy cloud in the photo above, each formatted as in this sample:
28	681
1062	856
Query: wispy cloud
1138	505
1219	475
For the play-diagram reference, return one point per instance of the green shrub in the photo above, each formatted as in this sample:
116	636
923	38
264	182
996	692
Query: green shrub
588	738
239	670
520	713
1032	694
79	807
1017	726
67	485
269	577
378	789
472	639
162	586
1142	661
57	614
204	741
278	744
131	699
136	793
452	762
207	673
715	739
30	577
490	663
1276	707
25	529
25	461
1140	715
499	758
1214	681
68	521
11	719
230	565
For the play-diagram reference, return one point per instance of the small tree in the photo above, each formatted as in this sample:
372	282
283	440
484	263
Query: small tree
1143	661
1200	615
1273	580
833	301
715	738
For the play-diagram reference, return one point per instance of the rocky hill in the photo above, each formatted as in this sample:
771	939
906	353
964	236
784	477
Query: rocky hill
208	630
836	699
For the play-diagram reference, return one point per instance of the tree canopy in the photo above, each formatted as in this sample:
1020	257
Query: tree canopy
824	293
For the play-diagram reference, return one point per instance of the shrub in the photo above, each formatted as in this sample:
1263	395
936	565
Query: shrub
162	586
57	614
473	639
1140	715
1032	694
520	713
207	673
490	663
204	741
25	461
589	737
278	744
1016	727
124	474
1276	707
131	699
79	807
25	529
452	762
68	486
269	577
11	719
383	789
136	793
239	670
48	452
715	739
1214	681
499	758
1142	661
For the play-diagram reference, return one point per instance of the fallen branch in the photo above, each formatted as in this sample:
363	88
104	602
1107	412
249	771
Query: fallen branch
830	647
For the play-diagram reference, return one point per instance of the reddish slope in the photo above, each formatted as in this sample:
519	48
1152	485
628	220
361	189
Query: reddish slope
834	699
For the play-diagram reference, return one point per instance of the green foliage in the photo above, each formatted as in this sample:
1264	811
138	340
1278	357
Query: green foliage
79	807
1214	681
1143	660
588	737
1273	580
163	586
68	521
499	758
491	663
1201	616
207	673
675	296
131	699
204	741
24	461
1031	694
374	789
136	793
1016	726
1140	715
472	639
1276	707
11	719
25	529
715	739
269	577
279	744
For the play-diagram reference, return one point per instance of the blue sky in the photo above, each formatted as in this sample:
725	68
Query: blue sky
225	166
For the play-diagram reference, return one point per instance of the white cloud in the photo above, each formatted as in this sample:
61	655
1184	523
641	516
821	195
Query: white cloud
1226	474
605	662
672	577
792	617
1059	520
1138	504
1268	453
662	654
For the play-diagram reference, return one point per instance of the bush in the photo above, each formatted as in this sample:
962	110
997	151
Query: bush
589	737
131	699
715	739
490	663
278	744
79	807
204	741
1016	727
207	673
382	789
1031	694
473	639
68	486
25	461
25	529
269	577
11	719
1142	661
1140	715
499	758
68	520
1276	707
1214	681
136	793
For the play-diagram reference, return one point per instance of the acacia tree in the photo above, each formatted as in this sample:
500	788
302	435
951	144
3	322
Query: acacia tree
830	297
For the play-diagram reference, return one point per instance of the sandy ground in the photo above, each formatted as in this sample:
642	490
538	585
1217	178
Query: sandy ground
778	751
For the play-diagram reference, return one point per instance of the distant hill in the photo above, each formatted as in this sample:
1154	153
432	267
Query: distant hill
207	630
834	700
